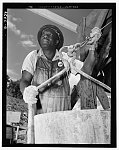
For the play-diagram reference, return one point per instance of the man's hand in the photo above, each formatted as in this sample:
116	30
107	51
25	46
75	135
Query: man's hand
29	94
95	35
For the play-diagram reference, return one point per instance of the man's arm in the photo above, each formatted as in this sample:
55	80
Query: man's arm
25	80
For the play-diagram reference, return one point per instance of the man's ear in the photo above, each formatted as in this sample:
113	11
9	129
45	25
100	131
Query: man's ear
57	41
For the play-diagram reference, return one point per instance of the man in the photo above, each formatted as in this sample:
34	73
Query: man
42	64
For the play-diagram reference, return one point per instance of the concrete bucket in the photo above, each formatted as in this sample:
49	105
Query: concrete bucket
73	127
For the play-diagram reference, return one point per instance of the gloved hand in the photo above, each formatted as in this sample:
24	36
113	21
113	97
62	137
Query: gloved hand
29	94
95	35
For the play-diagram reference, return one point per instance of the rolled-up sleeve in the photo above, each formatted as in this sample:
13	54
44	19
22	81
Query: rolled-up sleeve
29	63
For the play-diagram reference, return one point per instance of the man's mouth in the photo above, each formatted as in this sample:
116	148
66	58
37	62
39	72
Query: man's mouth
45	40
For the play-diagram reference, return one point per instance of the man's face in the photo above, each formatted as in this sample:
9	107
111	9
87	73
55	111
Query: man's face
48	38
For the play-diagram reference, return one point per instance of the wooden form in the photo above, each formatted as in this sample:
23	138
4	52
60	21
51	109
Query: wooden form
86	88
94	19
56	18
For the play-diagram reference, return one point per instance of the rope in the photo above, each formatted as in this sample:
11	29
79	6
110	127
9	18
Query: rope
106	25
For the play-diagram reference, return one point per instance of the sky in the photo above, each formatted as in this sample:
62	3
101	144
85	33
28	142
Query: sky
22	28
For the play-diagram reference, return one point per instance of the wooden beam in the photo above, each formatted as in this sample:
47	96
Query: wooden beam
94	19
101	18
56	18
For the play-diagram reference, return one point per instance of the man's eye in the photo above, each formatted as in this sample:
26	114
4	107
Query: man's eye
48	35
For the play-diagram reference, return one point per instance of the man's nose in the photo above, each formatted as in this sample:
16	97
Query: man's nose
46	36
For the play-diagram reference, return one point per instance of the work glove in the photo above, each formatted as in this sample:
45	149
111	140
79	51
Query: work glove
95	36
29	94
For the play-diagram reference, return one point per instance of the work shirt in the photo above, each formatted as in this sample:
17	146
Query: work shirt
56	97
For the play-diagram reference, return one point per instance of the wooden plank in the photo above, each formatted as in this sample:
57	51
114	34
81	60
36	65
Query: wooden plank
55	18
101	18
95	18
90	21
9	133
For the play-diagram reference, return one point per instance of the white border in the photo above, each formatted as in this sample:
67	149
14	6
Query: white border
117	71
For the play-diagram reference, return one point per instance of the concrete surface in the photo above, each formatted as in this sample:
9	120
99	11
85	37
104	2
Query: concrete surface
73	127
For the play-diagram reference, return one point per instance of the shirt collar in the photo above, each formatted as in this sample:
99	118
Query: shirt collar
56	57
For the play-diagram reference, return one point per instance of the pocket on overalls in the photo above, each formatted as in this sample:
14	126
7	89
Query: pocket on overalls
41	75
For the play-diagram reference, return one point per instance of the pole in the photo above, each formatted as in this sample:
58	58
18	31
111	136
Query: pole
17	133
30	132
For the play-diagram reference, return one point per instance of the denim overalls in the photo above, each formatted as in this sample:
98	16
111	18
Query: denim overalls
55	97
